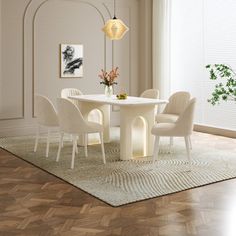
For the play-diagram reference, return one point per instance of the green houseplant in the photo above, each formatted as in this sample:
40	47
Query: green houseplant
225	90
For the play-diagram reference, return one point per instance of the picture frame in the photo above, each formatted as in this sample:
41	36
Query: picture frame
71	60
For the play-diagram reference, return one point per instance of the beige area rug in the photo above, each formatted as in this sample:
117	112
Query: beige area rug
122	182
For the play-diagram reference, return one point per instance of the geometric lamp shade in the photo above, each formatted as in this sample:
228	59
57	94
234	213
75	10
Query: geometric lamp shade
115	29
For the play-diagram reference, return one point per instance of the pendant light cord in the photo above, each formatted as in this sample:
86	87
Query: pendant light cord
114	10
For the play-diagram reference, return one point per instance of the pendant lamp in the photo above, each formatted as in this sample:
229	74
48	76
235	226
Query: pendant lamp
115	28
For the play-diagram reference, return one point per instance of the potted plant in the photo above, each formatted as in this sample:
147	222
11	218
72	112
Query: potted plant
225	90
108	79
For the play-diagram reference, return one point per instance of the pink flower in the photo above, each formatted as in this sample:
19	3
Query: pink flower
109	78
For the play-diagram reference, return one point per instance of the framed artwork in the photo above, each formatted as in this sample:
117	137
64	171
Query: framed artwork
71	60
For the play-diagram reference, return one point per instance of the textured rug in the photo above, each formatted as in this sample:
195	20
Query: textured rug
122	182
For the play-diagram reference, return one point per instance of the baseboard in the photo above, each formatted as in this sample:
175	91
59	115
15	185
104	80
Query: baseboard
215	131
17	130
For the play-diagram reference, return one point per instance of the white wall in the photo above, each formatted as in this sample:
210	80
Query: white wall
203	32
11	63
32	32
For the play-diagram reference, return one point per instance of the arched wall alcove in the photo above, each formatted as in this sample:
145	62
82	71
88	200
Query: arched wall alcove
26	43
51	31
90	15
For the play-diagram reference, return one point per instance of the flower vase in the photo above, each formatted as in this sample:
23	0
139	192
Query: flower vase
108	91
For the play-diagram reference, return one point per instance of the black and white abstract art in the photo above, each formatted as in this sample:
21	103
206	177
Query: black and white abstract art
71	60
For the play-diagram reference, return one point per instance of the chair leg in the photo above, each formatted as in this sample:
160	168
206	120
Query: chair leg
171	144
86	145
190	142
186	139
102	146
156	149
36	138
73	152
171	141
48	143
76	146
60	146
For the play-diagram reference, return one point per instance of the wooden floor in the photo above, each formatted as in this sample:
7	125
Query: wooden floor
33	202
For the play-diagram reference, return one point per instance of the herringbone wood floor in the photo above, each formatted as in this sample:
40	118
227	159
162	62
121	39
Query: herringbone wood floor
33	202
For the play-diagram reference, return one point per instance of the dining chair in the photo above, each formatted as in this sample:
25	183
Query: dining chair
46	116
66	92
150	93
172	111
94	115
72	122
183	127
101	116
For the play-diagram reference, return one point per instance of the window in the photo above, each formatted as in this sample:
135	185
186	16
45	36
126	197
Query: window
203	32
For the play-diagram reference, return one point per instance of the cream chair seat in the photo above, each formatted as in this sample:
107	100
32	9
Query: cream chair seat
183	127
72	122
46	116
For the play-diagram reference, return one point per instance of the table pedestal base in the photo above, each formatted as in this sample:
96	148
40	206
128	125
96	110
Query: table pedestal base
127	117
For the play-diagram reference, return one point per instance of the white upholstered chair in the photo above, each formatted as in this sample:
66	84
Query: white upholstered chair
183	127
176	105
46	116
72	122
92	113
66	92
171	112
150	93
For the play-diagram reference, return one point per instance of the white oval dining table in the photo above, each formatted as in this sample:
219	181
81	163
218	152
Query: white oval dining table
130	108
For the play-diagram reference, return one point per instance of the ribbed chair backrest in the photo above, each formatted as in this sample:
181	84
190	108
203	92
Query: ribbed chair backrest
177	103
45	111
66	92
150	93
70	117
185	120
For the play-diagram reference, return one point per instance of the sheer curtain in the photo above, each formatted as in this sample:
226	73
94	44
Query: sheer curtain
161	46
187	35
203	32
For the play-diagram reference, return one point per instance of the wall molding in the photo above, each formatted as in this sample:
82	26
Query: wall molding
33	39
23	68
31	15
13	130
